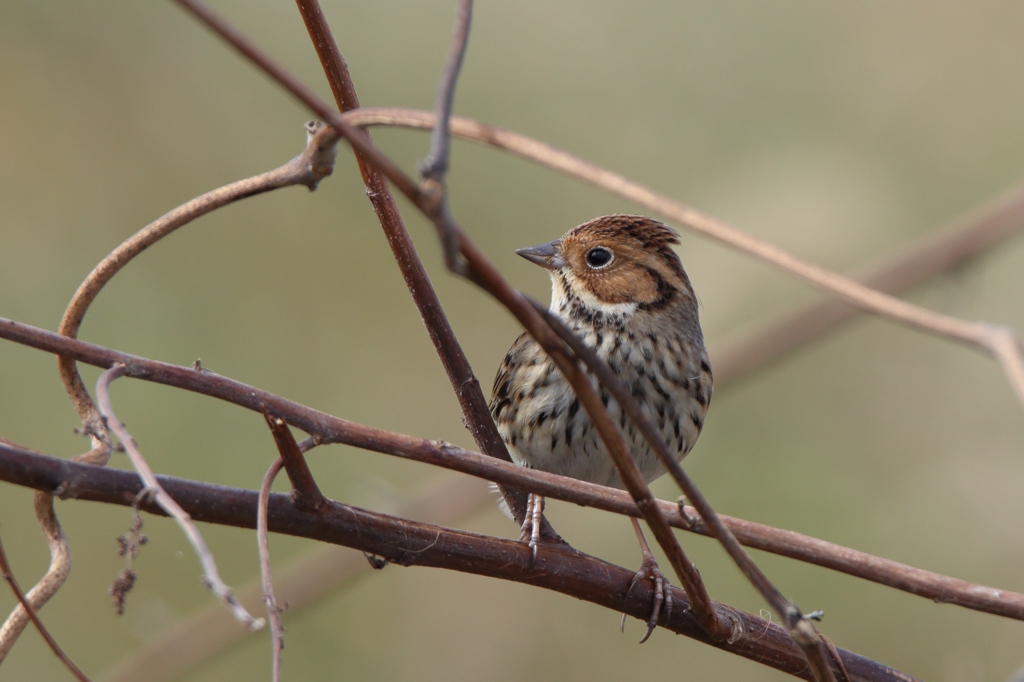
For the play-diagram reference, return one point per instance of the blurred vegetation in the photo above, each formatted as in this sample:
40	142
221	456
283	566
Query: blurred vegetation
840	132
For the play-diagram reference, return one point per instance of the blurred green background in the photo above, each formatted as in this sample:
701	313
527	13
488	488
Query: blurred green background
839	132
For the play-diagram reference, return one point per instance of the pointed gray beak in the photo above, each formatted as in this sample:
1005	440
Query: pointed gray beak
546	255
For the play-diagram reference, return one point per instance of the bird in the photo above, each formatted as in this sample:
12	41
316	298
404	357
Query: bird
619	285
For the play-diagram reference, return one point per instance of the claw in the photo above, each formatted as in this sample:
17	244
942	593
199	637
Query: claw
662	595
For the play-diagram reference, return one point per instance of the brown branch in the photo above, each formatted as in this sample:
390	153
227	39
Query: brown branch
211	577
8	575
273	611
435	167
303	581
314	164
1001	343
408	543
304	488
55	576
464	383
329	428
941	250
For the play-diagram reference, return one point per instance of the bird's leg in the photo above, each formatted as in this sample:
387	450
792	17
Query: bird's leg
533	522
649	569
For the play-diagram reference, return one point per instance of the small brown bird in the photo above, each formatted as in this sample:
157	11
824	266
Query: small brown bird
617	283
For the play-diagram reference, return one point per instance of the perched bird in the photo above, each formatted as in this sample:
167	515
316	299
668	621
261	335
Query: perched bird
618	284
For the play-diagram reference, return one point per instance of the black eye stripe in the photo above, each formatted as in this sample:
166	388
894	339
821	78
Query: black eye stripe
599	257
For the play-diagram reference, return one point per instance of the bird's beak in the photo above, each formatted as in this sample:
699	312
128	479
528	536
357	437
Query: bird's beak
546	255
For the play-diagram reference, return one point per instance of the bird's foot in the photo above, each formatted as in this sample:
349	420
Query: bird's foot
532	524
662	595
649	571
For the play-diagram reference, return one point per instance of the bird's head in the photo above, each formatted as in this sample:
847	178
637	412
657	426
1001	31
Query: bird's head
616	262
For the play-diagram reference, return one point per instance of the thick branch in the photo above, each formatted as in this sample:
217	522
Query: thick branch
303	581
329	428
411	543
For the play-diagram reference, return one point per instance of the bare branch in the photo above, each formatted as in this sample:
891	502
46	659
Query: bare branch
56	573
273	611
304	487
329	428
211	578
456	365
407	543
434	168
314	164
5	570
301	582
941	250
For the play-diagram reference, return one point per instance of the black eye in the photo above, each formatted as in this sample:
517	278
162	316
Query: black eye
598	257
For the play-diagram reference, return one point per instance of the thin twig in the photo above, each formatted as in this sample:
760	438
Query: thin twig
464	383
304	487
8	575
273	611
314	164
55	576
434	168
211	578
940	250
328	428
405	542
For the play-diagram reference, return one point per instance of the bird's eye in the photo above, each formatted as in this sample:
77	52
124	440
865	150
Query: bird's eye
599	257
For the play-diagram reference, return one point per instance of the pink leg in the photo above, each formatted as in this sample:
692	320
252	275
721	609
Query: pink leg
649	570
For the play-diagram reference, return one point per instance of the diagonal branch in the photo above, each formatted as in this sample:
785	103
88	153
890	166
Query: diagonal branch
5	571
55	576
411	543
453	359
435	166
